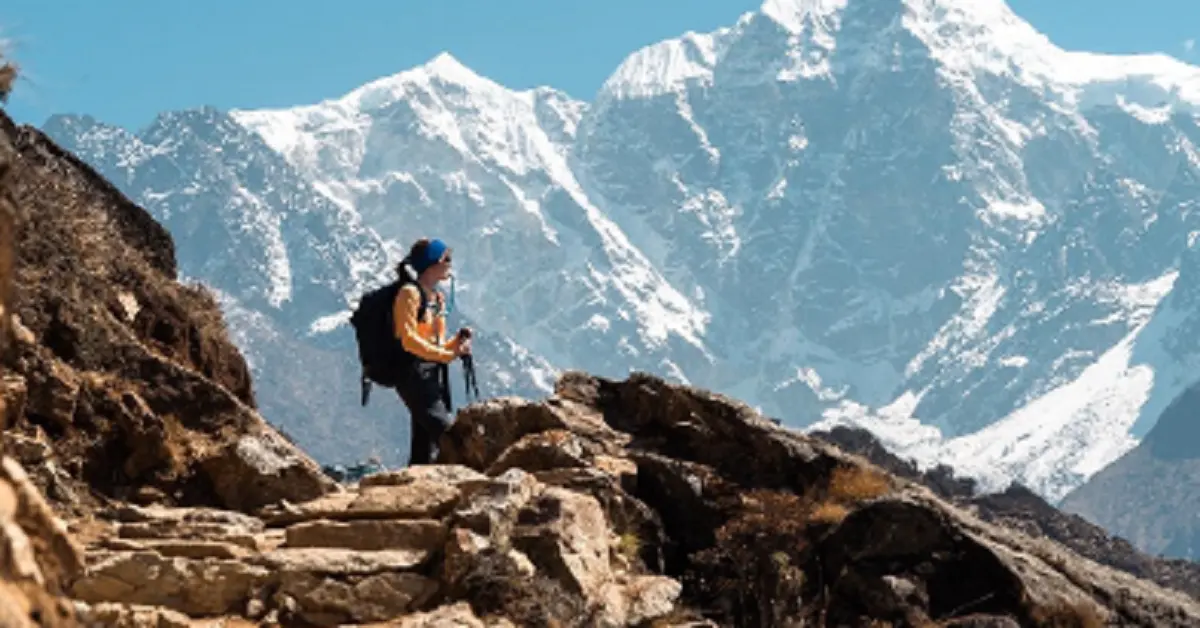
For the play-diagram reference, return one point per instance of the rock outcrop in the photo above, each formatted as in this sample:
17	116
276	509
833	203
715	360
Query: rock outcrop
1022	509
118	383
124	382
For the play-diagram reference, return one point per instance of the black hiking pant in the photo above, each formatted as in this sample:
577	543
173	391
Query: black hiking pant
425	391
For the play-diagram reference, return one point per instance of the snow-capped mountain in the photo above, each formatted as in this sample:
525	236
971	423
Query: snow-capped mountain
286	263
916	215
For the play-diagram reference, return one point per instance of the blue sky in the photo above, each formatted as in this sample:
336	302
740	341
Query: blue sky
123	61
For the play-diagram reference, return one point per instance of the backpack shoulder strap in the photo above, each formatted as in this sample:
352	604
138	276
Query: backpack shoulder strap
424	302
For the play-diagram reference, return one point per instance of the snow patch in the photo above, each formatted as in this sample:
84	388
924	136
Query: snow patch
665	67
328	323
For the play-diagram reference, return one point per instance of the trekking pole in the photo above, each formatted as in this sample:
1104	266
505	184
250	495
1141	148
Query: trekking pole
469	379
469	376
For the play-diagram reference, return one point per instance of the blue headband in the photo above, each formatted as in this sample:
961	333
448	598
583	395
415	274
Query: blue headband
433	254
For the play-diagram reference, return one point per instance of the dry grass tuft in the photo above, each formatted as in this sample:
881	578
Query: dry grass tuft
828	513
1067	615
8	75
851	484
755	568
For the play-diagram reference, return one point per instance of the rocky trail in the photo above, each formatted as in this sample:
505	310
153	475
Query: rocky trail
140	486
630	503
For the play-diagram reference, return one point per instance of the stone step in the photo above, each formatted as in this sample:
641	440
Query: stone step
368	534
418	499
186	548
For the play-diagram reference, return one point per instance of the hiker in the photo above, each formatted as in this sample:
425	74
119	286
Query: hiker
419	319
400	330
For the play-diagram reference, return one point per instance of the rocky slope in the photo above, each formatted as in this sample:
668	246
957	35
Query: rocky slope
611	503
37	555
917	216
1150	494
124	375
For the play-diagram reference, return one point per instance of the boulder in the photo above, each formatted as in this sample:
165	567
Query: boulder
566	537
483	431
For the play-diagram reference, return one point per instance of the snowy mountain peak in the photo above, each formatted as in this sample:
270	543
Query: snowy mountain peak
447	67
967	38
791	14
440	72
665	67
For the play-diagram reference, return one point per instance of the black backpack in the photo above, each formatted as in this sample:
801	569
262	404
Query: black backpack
380	353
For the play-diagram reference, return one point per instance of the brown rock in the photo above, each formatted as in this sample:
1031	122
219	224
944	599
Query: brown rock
445	473
331	506
14	395
58	555
982	621
180	547
325	601
17	605
461	553
339	562
419	499
489	507
465	552
542	451
195	524
262	468
622	469
634	603
196	531
483	431
422	534
36	456
133	616
566	536
457	615
194	587
53	394
639	525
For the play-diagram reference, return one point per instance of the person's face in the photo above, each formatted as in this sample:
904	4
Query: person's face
442	270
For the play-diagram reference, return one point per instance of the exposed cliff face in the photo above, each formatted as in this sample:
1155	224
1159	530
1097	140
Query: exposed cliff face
129	374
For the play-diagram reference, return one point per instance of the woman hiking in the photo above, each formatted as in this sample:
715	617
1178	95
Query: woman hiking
419	318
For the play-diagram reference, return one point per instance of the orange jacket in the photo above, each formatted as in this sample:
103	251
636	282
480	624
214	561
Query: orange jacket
424	338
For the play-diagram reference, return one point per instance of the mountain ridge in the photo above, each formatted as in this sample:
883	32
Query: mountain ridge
956	250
